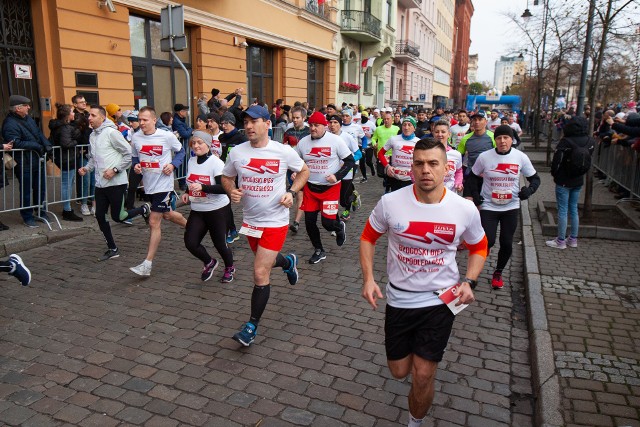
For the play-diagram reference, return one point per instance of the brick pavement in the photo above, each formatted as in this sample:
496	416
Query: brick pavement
592	300
89	344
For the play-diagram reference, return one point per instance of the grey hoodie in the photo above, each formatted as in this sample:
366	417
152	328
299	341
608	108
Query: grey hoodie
107	150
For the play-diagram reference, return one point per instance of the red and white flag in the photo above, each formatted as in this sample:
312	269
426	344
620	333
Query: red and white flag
366	63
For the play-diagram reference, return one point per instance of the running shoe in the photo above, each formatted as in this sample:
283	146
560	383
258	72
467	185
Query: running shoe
31	223
232	236
142	269
292	271
557	243
227	277
207	271
128	221
318	255
295	226
496	280
146	212
341	236
93	210
363	180
357	203
572	242
19	270
333	233
110	253
84	209
345	215
246	335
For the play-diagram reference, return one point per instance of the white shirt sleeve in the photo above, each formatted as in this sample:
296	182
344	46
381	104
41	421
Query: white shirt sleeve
527	167
474	231
229	167
378	218
294	161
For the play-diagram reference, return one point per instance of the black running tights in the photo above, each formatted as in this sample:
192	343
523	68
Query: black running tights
215	223
508	221
112	198
310	222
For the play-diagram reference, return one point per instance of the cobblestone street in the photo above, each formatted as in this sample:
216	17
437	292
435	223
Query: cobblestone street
90	344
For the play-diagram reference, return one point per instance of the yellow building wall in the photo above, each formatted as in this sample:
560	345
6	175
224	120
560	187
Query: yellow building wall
294	73
218	63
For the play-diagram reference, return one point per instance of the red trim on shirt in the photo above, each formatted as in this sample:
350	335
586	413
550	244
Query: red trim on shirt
370	234
444	191
481	248
382	157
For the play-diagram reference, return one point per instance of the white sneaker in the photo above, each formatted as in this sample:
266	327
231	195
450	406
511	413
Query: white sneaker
85	209
93	211
142	269
555	243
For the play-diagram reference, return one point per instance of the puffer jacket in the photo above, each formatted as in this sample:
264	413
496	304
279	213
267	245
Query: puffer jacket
66	136
575	131
109	149
25	134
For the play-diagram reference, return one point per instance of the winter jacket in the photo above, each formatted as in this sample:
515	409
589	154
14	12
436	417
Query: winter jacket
230	140
66	136
180	126
109	149
631	127
81	121
25	134
576	131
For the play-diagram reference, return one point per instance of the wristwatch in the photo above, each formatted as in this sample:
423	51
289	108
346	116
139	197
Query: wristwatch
116	170
293	193
471	282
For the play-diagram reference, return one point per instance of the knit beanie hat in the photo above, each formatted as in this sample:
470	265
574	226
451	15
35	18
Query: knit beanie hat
205	136
112	109
336	118
410	120
318	118
503	130
215	92
227	117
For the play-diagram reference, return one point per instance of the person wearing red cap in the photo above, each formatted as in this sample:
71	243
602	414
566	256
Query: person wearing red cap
323	153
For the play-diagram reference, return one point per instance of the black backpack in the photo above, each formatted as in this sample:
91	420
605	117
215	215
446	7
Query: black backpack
578	159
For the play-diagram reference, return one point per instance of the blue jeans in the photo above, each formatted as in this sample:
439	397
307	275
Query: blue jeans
68	178
88	184
567	201
33	191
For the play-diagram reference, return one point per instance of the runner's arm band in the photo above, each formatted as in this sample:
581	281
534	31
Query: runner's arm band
178	158
214	188
534	182
472	188
481	248
370	235
348	164
382	157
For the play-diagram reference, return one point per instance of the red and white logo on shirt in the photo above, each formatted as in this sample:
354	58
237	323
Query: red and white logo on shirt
201	179
320	152
151	150
430	232
407	149
452	165
263	165
507	169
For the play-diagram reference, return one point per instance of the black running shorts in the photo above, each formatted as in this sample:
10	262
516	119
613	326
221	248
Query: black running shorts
422	331
163	202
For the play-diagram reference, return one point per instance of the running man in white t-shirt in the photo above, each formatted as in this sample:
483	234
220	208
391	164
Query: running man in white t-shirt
398	168
453	178
498	194
261	167
152	151
329	161
425	223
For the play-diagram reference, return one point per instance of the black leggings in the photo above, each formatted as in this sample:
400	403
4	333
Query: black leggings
231	224
214	222
396	184
367	160
112	197
134	182
508	221
329	224
346	193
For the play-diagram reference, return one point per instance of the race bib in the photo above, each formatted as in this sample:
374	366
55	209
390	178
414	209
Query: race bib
202	179
251	231
150	167
401	172
330	208
501	197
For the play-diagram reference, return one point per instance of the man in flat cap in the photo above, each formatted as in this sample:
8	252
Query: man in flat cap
20	128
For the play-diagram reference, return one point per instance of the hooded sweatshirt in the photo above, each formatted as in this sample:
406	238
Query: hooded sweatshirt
108	150
575	131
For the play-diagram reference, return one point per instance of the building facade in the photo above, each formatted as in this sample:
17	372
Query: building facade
114	56
461	42
443	53
472	68
507	72
367	30
410	75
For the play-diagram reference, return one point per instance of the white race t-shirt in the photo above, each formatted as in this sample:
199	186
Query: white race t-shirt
355	130
205	173
516	128
262	175
457	133
323	156
454	162
501	183
216	146
353	147
423	241
401	155
493	124
369	127
154	152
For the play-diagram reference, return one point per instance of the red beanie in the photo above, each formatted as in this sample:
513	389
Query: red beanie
318	118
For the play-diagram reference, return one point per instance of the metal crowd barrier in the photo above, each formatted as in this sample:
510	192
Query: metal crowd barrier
621	164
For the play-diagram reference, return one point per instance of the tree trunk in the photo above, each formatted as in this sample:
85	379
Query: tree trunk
553	103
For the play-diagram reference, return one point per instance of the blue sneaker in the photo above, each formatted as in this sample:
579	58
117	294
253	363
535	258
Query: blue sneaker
246	335
31	223
232	236
292	271
19	270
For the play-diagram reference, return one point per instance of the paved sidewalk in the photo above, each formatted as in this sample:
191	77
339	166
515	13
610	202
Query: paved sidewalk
592	300
90	344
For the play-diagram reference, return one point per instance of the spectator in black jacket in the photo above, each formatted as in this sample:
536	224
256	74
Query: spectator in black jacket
568	186
18	127
68	158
